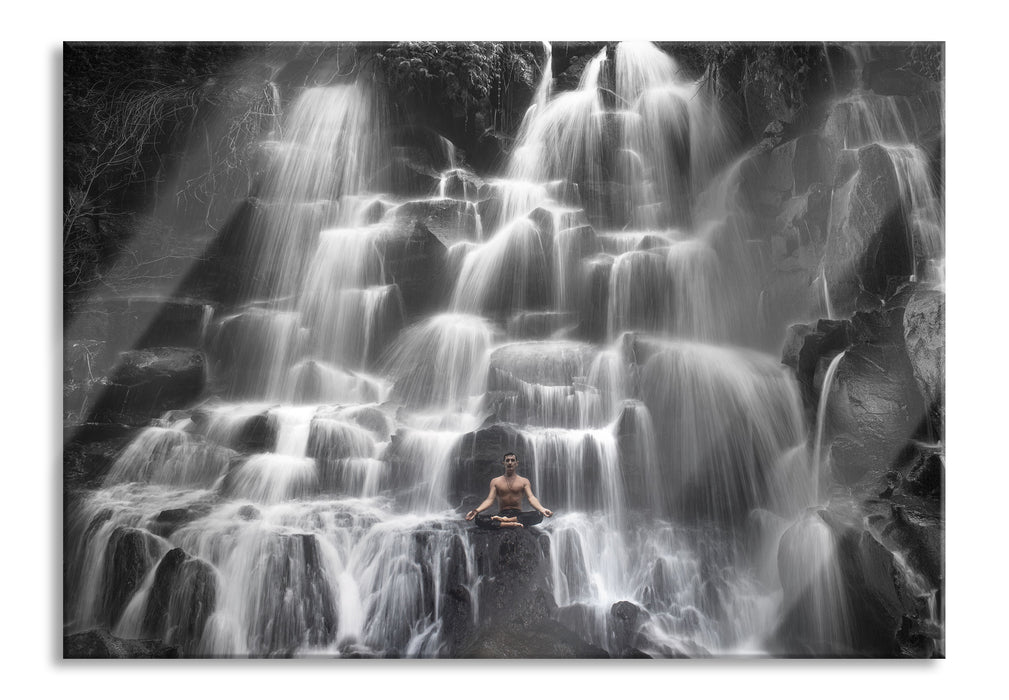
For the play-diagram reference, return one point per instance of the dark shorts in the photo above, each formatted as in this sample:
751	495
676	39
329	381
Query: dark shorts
527	518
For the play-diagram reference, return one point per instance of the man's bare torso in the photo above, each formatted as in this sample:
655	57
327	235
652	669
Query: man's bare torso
509	491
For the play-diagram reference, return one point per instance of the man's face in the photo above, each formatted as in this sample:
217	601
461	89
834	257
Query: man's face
510	462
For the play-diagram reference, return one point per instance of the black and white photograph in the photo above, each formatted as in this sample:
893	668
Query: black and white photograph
503	349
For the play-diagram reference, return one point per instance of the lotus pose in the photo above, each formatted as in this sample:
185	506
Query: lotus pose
508	490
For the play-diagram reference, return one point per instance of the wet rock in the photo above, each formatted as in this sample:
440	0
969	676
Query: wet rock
249	512
925	338
851	603
457	618
824	343
168	521
546	640
632	446
131	553
875	405
803	220
925	476
919	537
146	383
463	185
491	212
913	644
182	599
481	458
517	608
595	298
869	240
565	193
414	260
449	220
257	433
795	337
624	619
878	326
99	644
550	363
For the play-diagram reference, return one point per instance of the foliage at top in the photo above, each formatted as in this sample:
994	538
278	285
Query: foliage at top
464	76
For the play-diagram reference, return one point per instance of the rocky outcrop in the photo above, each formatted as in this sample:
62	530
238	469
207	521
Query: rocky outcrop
463	185
449	220
550	363
130	554
925	338
874	404
517	608
869	239
182	599
256	433
414	260
843	592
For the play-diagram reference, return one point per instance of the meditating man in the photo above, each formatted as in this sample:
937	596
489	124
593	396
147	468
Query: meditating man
508	491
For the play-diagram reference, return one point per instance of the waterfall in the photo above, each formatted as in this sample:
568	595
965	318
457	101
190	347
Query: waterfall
599	320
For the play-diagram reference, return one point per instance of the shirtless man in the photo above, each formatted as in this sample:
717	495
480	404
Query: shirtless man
508	490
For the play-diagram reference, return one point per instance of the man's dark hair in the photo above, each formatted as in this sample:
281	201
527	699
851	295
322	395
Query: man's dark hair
509	454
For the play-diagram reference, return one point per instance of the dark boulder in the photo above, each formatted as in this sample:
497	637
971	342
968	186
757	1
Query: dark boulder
802	223
919	537
99	644
517	608
491	212
256	433
595	297
130	554
795	165
168	521
795	337
925	338
414	260
924	476
146	383
869	239
182	599
819	346
625	617
873	403
481	458
879	326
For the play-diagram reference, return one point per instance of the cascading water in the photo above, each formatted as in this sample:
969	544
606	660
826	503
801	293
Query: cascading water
308	508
